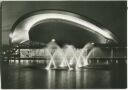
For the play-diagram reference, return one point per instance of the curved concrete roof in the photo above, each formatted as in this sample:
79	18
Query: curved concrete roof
20	32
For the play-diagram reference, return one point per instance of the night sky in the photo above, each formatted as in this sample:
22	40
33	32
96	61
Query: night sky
112	15
63	34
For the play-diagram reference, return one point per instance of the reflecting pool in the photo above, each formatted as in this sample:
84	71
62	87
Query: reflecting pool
16	76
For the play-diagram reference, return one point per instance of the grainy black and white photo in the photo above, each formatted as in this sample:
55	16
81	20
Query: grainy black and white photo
64	45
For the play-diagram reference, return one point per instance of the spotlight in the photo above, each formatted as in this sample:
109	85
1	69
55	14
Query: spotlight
92	43
53	40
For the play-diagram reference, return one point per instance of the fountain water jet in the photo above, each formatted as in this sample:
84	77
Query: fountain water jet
80	58
69	56
51	60
69	51
87	51
88	56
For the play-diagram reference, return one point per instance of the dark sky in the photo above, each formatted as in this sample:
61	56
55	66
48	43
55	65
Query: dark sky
111	14
63	34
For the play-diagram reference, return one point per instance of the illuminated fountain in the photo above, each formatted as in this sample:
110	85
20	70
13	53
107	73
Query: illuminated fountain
67	57
51	51
55	57
68	52
51	62
87	50
80	58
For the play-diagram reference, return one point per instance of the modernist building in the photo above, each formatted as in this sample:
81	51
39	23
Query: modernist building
51	44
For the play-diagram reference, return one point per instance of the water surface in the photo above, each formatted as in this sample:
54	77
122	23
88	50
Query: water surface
15	76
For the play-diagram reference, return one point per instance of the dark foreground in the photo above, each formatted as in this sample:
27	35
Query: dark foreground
34	77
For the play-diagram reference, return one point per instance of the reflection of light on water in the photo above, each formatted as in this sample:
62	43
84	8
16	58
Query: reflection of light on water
71	79
92	79
51	79
28	78
78	79
40	78
61	79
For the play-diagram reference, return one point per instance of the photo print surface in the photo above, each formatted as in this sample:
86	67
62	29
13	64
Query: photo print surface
64	45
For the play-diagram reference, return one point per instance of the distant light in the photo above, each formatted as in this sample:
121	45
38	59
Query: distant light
92	43
4	52
53	40
69	46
